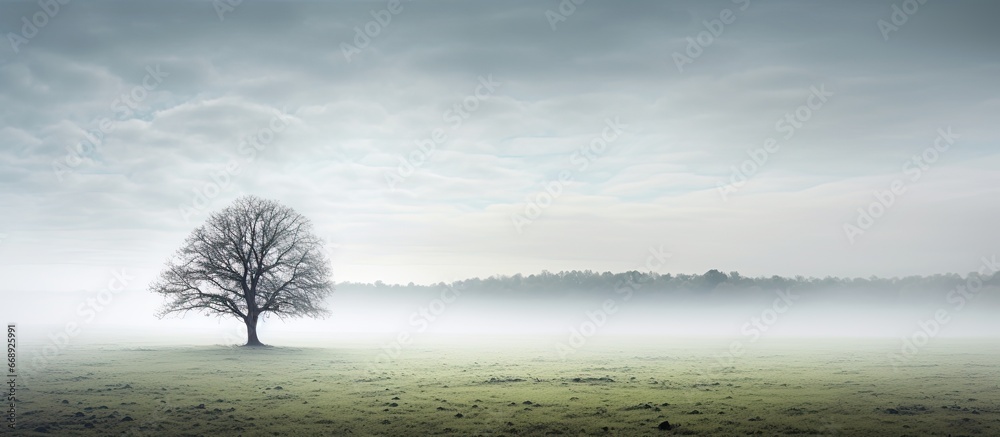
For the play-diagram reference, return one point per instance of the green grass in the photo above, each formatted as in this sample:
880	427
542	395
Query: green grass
816	387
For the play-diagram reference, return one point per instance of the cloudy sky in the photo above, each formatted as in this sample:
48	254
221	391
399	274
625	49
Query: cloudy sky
459	139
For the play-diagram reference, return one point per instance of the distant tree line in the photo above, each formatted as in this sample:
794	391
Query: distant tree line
587	281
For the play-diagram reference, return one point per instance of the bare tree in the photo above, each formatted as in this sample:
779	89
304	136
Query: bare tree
254	257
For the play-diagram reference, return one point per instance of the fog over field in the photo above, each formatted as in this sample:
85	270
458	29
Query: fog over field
911	313
389	217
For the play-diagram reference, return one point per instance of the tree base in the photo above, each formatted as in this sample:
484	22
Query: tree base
257	344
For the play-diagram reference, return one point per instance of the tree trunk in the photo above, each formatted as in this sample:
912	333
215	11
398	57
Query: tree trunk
252	339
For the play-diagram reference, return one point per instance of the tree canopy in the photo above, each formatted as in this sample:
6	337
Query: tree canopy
254	257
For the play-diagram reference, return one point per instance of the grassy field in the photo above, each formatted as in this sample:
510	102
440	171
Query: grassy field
816	387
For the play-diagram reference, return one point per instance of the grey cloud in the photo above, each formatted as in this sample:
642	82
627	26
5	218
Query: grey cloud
351	121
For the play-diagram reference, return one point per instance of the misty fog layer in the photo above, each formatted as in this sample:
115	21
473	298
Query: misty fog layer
577	307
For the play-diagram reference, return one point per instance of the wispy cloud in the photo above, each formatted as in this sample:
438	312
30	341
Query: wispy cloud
349	122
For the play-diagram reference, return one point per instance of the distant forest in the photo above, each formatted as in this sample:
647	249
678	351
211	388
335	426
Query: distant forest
712	281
